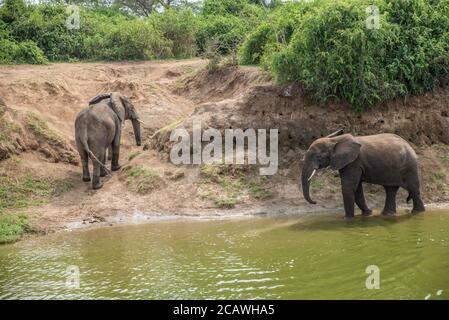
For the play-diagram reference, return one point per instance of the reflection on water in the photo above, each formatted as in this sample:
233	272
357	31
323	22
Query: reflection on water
318	256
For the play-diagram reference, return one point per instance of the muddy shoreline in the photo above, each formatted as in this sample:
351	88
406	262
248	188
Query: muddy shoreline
138	218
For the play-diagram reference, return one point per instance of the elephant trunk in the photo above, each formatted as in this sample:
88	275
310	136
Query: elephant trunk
136	127
308	171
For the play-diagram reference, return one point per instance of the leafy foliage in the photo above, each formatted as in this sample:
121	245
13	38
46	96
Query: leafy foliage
324	44
334	55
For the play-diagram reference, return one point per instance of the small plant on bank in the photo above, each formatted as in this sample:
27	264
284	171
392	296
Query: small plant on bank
12	227
134	155
143	180
18	193
226	185
39	127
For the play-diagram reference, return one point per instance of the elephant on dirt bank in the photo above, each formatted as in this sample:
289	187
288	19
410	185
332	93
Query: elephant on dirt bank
383	159
99	127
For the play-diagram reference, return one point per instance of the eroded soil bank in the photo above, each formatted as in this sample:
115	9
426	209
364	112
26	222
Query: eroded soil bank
41	174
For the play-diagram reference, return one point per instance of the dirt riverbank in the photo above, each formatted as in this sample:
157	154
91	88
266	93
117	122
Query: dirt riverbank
38	105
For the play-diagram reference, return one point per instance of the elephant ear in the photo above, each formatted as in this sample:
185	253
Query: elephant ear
99	98
346	151
118	106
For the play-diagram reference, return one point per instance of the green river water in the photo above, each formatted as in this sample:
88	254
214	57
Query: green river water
310	257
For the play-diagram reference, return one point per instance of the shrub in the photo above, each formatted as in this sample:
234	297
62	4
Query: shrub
274	32
226	23
12	10
227	32
12	228
179	27
45	25
29	52
255	44
333	54
223	7
127	40
24	52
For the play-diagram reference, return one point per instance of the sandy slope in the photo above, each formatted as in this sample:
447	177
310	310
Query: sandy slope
57	92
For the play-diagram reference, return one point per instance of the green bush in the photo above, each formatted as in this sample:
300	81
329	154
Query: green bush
224	7
12	228
45	25
12	10
334	55
274	32
254	47
7	49
29	52
127	40
179	27
24	52
224	24
226	32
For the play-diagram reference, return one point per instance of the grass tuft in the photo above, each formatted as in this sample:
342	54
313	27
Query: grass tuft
40	128
143	180
20	193
231	183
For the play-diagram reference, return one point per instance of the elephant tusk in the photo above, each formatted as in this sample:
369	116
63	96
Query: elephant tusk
311	176
336	134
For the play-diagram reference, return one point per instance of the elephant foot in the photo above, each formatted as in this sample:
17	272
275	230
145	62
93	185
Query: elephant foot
116	168
86	179
388	213
418	210
97	186
349	218
367	213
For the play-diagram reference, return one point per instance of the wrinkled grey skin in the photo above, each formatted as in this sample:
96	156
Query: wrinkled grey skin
99	127
383	159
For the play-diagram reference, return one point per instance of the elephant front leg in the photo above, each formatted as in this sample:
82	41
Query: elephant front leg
350	180
390	201
348	191
348	200
360	200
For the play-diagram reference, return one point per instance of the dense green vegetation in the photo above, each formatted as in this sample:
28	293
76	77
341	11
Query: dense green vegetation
38	32
325	45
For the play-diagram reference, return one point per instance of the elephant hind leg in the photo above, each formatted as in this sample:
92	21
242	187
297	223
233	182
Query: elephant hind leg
413	187
96	183
110	153
390	201
102	169
360	201
85	163
418	205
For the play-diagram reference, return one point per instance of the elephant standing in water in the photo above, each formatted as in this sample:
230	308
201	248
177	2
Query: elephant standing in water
383	159
98	128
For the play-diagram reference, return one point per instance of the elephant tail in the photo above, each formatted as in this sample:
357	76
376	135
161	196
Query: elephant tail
91	154
409	197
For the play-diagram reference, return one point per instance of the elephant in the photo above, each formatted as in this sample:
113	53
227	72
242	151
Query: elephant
382	159
98	127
